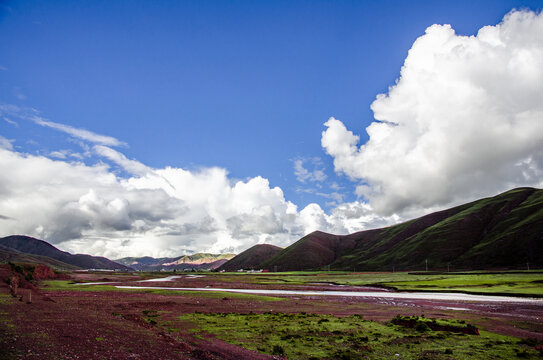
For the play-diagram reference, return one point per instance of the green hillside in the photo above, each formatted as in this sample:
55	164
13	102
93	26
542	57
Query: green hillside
36	247
8	255
505	231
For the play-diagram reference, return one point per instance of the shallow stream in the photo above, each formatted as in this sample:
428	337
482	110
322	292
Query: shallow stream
368	294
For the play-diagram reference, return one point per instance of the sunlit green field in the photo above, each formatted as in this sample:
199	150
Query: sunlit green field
313	336
507	284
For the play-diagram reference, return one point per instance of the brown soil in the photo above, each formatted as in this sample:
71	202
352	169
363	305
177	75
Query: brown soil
129	325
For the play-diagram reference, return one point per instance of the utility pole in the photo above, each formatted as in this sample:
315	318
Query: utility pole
426	265
448	265
528	266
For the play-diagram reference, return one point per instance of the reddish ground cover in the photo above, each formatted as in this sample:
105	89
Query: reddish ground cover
134	325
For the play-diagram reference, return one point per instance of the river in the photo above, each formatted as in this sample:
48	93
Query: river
368	294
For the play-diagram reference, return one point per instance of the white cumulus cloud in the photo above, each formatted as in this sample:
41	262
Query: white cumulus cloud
464	120
156	212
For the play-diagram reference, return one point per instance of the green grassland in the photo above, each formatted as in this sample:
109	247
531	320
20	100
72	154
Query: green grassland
504	283
514	283
315	336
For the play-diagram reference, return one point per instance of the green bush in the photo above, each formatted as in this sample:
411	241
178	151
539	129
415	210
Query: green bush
422	327
278	350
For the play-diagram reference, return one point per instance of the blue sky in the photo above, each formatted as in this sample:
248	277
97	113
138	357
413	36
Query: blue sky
241	85
245	86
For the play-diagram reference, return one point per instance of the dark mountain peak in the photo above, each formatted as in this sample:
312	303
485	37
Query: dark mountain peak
33	246
27	244
251	258
317	233
267	246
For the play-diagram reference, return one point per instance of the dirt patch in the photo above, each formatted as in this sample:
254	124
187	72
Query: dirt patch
104	325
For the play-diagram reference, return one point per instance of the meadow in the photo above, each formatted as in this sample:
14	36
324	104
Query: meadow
528	283
320	336
66	320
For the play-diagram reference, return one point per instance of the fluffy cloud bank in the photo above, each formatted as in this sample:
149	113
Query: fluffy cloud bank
160	212
465	119
157	212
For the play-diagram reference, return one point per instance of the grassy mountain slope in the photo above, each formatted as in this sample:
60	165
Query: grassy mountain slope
251	258
31	246
11	255
312	251
501	231
518	236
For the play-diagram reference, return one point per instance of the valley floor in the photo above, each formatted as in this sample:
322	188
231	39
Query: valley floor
63	320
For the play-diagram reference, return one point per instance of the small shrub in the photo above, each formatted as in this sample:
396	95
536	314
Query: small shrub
529	341
278	350
13	285
422	327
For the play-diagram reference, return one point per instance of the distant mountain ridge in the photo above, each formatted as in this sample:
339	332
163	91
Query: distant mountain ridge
202	261
36	248
504	231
